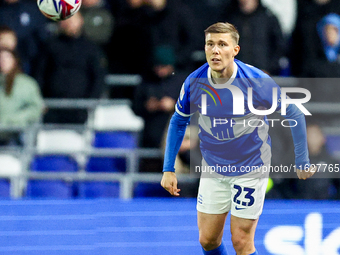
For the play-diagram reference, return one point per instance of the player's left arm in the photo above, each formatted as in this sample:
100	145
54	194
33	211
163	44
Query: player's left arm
299	133
263	91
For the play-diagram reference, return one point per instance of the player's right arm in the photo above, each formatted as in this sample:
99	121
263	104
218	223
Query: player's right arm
299	133
174	140
176	131
296	119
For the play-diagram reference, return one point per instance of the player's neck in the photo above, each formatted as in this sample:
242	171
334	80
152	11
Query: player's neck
221	77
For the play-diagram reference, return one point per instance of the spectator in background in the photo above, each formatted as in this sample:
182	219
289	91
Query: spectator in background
305	38
261	36
326	61
21	103
172	31
130	48
155	101
30	27
171	57
71	67
328	29
98	22
159	25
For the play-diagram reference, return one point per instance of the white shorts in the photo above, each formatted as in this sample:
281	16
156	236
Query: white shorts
242	195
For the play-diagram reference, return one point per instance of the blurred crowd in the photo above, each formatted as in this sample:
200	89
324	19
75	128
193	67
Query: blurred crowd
163	42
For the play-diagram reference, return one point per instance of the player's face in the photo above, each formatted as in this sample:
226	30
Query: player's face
220	50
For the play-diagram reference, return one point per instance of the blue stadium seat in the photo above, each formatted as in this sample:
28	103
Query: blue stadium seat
54	163
333	145
4	188
149	190
115	139
109	123
112	139
107	139
52	189
98	189
103	164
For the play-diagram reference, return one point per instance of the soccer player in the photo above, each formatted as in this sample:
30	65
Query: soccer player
232	146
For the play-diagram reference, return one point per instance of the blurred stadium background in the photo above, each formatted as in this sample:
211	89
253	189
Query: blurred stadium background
63	194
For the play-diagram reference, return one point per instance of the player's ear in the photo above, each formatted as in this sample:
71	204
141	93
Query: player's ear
236	50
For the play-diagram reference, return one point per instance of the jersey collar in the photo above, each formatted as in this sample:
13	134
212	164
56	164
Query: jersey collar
224	85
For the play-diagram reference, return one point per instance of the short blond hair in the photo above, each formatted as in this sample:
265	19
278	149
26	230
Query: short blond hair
224	27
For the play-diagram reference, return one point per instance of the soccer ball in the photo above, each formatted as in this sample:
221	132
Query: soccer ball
58	9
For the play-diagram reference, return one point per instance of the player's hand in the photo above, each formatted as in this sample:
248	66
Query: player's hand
169	182
304	174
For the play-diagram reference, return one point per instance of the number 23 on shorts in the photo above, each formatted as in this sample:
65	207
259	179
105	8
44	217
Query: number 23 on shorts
248	196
